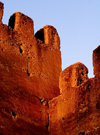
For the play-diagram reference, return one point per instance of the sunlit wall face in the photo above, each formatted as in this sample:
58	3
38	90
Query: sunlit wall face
77	23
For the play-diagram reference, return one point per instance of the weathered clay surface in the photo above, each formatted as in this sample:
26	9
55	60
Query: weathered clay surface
96	61
49	35
34	100
29	77
72	76
1	10
77	110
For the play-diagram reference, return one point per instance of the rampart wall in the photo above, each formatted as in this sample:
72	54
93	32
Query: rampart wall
36	97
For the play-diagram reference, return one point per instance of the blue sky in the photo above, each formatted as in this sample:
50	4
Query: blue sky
77	23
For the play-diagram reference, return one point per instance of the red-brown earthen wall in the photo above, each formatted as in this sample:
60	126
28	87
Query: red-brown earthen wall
29	76
36	97
77	110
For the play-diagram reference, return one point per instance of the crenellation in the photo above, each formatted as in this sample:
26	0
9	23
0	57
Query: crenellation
72	76
96	61
1	10
36	96
48	35
22	23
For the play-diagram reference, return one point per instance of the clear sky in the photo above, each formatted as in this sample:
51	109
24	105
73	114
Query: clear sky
77	23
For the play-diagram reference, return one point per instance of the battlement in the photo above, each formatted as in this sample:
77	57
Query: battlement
29	73
36	96
22	23
72	76
96	61
1	10
49	35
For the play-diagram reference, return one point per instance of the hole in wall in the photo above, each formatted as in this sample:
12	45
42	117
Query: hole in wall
28	73
21	51
25	20
63	118
12	21
86	72
82	73
41	99
13	114
98	105
47	126
29	57
82	133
